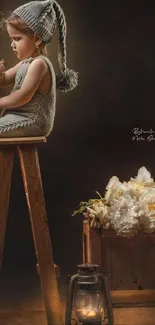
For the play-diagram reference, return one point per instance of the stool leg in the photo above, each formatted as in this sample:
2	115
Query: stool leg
35	199
6	166
107	299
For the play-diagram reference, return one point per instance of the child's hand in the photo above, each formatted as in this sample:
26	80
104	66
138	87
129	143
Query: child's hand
2	69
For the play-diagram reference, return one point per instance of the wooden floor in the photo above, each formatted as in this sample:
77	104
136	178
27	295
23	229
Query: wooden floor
124	316
21	304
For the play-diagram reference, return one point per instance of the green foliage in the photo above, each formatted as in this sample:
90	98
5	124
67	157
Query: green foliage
84	205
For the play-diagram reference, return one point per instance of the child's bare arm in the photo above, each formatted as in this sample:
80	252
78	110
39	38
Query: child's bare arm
7	78
35	73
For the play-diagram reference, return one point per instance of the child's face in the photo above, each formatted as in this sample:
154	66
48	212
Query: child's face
23	45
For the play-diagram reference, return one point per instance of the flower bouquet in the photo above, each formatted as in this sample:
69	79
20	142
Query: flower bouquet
126	207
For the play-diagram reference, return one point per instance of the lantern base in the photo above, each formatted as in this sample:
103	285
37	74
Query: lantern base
92	323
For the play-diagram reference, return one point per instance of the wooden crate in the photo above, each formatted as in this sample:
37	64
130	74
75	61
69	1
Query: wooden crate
128	262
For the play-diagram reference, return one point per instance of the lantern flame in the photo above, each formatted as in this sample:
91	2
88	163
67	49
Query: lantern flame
90	312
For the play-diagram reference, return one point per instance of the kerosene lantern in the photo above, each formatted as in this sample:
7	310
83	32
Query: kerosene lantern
88	299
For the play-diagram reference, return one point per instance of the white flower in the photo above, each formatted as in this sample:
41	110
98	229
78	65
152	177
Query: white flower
147	210
124	216
99	214
115	189
144	177
142	181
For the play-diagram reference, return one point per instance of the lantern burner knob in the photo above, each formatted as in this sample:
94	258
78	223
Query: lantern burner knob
87	267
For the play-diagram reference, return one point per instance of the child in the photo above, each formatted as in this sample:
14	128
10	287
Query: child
29	110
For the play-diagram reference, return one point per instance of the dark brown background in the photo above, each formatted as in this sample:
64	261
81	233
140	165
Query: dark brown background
112	45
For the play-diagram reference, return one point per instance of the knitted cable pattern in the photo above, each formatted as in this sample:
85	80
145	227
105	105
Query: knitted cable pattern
67	79
10	126
44	13
43	19
62	35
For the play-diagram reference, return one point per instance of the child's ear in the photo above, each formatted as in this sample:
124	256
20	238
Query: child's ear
37	41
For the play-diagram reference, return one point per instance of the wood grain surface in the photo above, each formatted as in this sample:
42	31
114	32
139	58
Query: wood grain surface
6	166
36	205
128	262
15	141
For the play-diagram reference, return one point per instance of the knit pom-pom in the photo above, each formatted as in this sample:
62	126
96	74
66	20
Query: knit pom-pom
67	80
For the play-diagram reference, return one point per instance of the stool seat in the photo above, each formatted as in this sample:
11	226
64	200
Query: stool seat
23	140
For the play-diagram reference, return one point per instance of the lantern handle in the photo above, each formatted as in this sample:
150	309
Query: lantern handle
69	302
104	280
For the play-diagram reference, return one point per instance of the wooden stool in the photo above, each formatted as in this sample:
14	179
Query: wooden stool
28	156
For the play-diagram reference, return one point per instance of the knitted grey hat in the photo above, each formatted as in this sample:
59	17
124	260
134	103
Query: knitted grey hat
42	18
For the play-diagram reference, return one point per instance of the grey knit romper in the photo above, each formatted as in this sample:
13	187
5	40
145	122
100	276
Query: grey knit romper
36	117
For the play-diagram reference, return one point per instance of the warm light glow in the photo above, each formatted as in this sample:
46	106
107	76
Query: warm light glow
90	312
